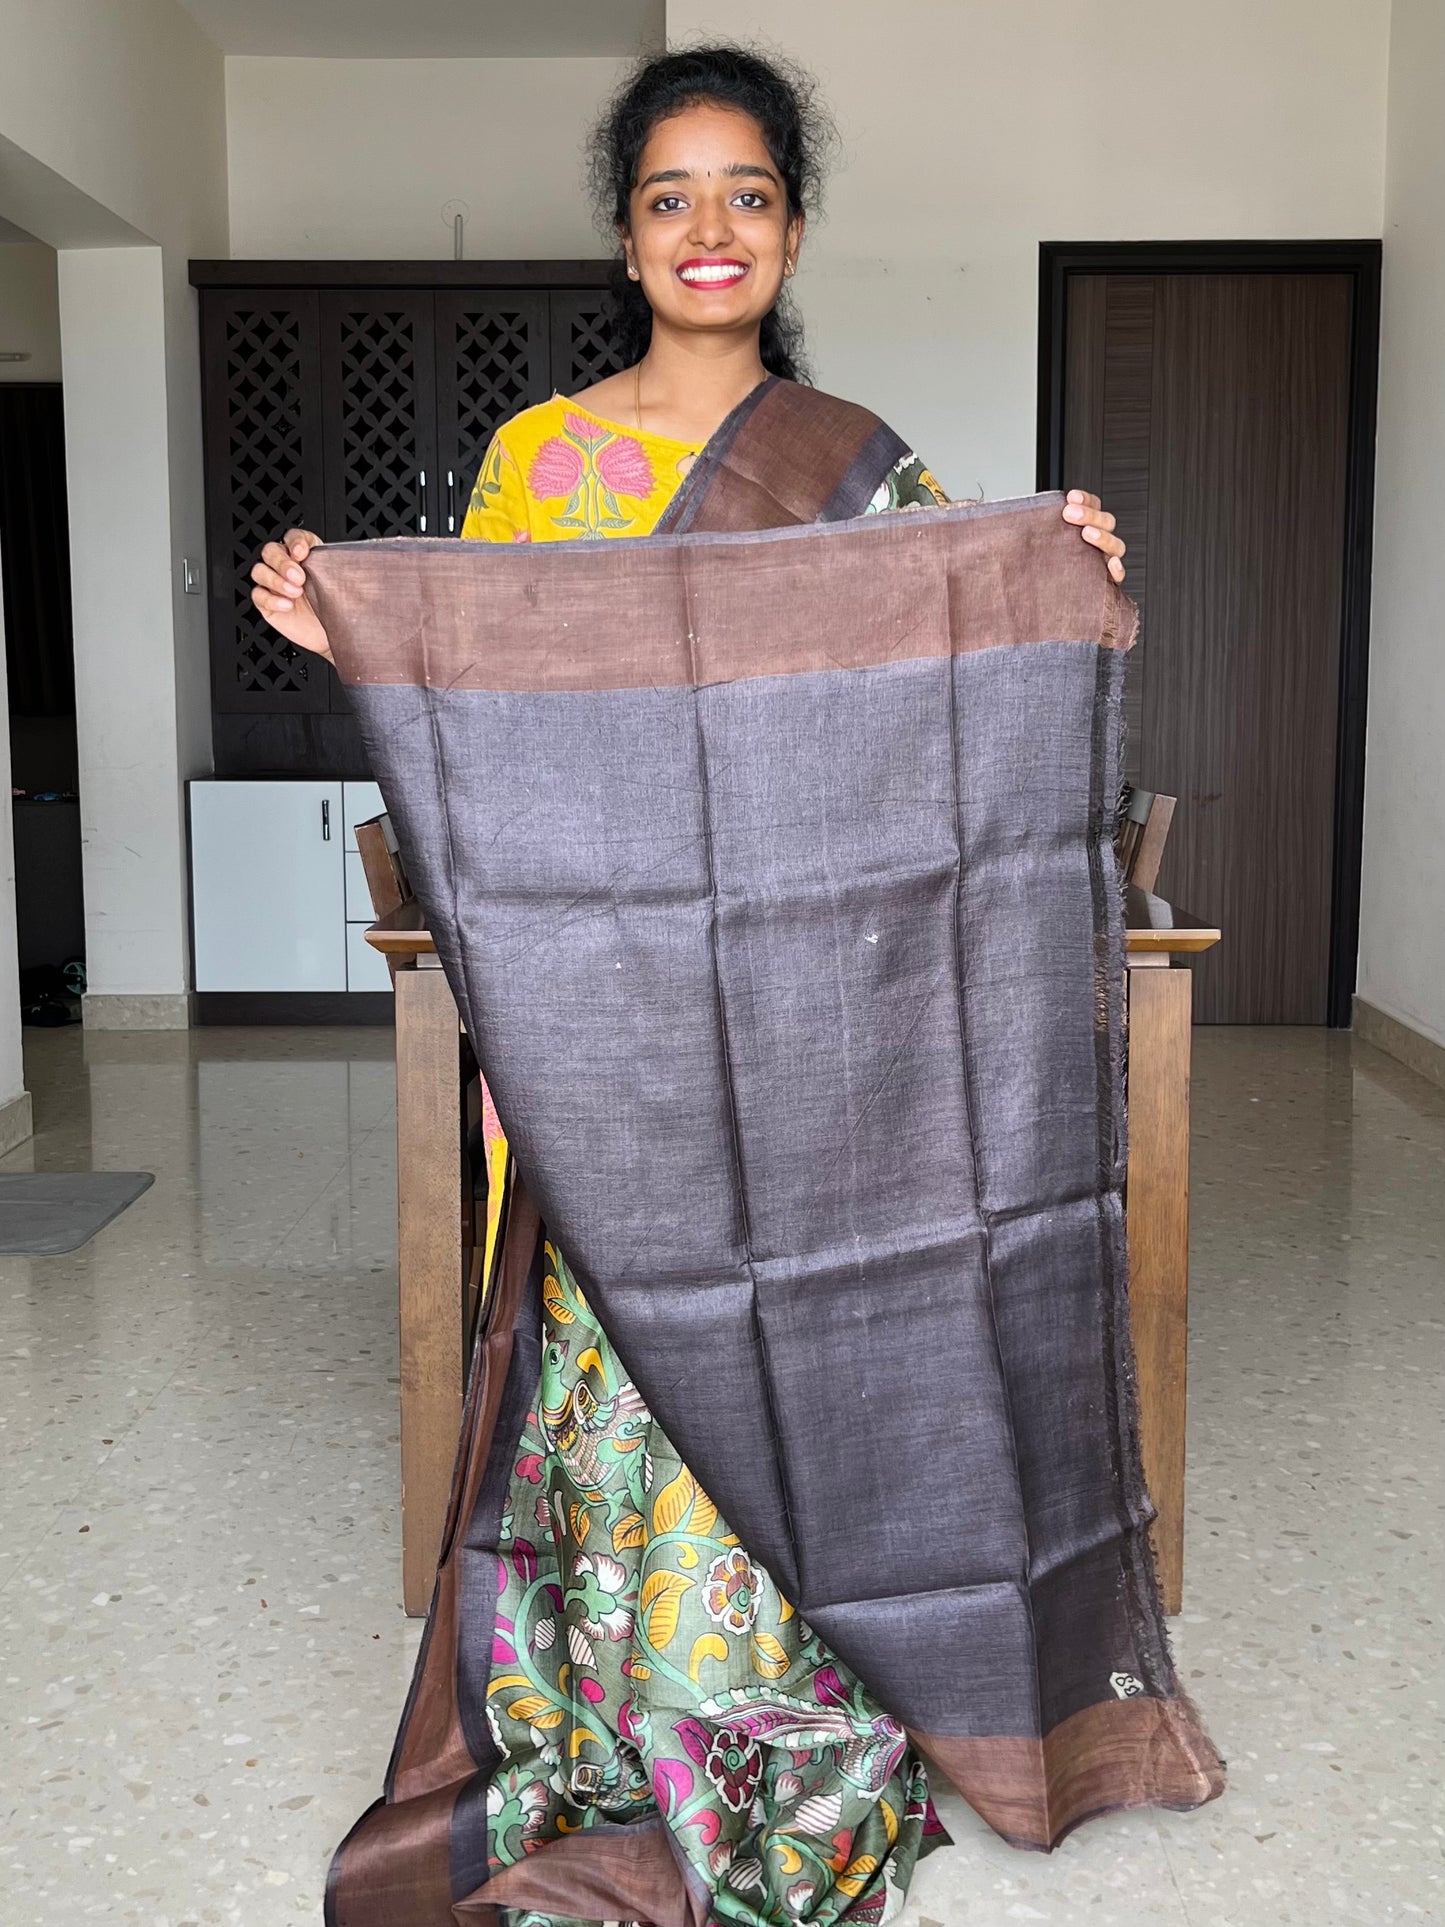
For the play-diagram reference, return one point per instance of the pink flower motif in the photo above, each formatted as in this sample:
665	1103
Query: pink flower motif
555	470
585	431
529	1467
624	466
696	1737
672	1783
521	535
829	1687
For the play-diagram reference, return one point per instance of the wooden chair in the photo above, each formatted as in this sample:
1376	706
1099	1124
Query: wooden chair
1143	830
386	877
390	888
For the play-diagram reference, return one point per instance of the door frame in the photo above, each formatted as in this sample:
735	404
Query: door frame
1361	261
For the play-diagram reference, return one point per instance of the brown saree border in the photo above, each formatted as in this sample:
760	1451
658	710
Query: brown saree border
1139	1752
805	457
652	613
433	1762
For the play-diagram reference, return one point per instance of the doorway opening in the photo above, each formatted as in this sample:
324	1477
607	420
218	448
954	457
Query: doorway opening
39	645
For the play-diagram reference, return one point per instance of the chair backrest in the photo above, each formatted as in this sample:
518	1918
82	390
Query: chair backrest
386	876
1144	819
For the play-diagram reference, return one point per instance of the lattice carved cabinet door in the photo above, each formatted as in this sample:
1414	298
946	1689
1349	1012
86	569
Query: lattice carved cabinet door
378	376
492	362
263	475
582	350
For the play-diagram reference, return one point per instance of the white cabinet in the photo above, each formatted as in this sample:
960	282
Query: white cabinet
359	803
278	895
365	966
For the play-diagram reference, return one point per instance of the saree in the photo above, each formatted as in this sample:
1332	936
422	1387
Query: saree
769	859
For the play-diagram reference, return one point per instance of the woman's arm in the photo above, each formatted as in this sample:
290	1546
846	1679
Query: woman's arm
498	508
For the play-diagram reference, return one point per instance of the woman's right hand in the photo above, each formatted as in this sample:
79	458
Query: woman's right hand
280	591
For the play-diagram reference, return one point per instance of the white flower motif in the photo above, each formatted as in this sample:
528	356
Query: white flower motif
746	1876
822	1814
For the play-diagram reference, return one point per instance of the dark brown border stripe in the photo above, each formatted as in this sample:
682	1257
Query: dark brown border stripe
1120	1753
670	610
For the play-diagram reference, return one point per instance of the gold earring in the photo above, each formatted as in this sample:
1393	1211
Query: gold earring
787	268
631	272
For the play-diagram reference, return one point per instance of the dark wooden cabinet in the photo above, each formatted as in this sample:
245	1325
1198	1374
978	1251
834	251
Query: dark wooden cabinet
261	376
357	399
493	359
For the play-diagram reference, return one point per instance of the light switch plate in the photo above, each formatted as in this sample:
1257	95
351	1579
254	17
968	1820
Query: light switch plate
191	575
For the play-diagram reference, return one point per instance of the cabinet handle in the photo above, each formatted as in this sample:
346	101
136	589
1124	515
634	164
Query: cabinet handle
326	819
451	502
421	503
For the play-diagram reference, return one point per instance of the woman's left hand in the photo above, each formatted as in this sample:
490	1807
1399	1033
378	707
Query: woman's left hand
1096	525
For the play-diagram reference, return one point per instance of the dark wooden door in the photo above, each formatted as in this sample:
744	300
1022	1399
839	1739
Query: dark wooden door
1211	411
492	361
358	404
582	350
261	388
378	399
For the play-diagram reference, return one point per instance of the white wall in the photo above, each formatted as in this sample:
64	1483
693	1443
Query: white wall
1402	942
357	158
113	322
29	311
974	130
112	136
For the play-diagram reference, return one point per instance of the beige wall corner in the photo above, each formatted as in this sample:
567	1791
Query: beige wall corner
1409	1047
120	1011
16	1122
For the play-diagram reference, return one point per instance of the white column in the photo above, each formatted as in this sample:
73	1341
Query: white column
118	467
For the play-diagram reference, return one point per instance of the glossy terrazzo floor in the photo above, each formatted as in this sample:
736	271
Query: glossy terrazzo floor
200	1638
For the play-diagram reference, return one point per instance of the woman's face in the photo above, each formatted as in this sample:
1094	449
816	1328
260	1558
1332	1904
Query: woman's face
710	233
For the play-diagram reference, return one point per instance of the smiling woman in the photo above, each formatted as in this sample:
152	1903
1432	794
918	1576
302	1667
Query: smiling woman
642	1724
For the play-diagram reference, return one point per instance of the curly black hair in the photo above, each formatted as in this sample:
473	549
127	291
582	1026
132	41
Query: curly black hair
796	130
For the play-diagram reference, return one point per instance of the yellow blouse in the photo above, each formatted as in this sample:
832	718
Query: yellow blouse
558	470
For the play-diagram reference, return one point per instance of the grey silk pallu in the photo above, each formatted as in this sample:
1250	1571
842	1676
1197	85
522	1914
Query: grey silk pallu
773	874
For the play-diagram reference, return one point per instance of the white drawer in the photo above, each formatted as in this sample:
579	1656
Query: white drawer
358	896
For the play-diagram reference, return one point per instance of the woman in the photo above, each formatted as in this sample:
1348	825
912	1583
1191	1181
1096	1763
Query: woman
615	1681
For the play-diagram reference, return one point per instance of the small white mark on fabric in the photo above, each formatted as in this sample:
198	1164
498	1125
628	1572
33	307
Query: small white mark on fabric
1126	1685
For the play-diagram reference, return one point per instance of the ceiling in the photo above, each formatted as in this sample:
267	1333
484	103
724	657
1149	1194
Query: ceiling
9	231
383	30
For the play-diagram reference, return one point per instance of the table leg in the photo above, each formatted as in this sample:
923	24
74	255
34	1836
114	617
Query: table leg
430	1268
1158	1223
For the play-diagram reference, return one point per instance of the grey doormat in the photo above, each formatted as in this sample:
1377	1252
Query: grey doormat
43	1213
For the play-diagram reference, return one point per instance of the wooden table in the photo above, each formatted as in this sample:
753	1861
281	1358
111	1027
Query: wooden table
430	1174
